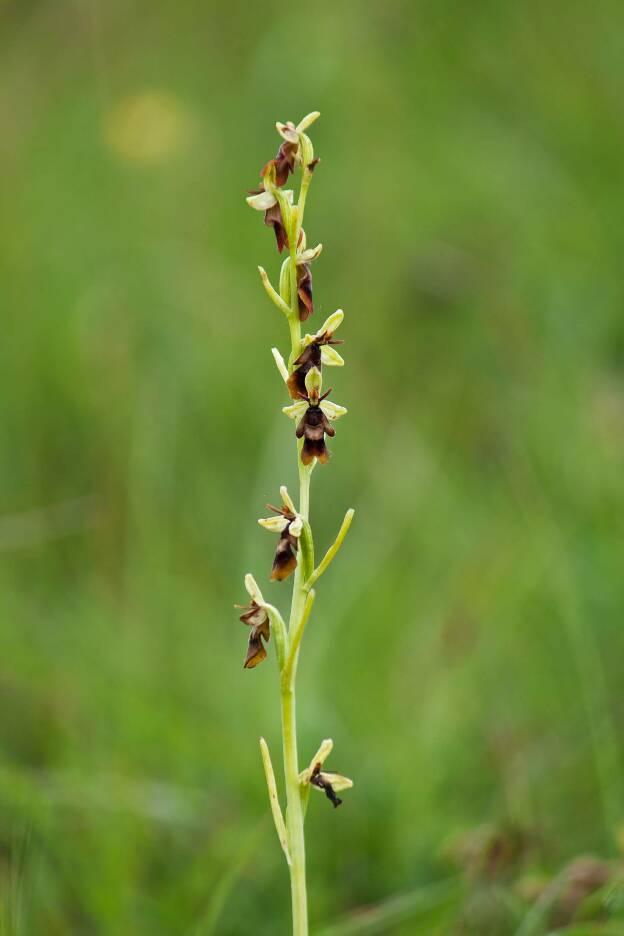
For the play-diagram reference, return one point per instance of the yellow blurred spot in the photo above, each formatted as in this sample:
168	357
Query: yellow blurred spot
148	127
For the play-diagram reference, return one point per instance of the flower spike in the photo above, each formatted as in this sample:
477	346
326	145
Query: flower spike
313	413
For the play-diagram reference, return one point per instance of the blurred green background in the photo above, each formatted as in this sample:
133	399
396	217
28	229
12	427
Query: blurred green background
466	649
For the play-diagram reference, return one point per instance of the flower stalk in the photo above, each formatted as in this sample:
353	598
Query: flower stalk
314	415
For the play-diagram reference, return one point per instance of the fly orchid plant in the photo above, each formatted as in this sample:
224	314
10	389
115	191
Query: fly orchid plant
294	556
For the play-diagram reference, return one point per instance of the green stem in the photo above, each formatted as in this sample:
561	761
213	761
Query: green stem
294	814
301	605
290	665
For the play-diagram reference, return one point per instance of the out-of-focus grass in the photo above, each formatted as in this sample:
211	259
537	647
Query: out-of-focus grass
466	653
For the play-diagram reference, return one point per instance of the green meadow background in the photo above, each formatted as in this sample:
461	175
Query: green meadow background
466	650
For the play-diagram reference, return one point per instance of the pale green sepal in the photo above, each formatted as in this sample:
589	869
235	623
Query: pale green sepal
252	589
307	256
262	201
329	326
333	410
331	323
295	410
295	526
287	499
331	357
278	818
313	380
291	136
337	781
273	524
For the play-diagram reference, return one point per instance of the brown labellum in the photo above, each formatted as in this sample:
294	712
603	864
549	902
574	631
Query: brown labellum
255	652
304	291
310	357
284	163
255	617
285	561
313	426
273	218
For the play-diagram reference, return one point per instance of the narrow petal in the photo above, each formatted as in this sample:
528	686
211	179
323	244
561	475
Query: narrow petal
261	202
325	748
274	524
252	589
307	256
331	357
287	131
295	410
333	410
332	323
337	781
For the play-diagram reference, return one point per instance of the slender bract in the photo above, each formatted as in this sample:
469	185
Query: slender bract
313	414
